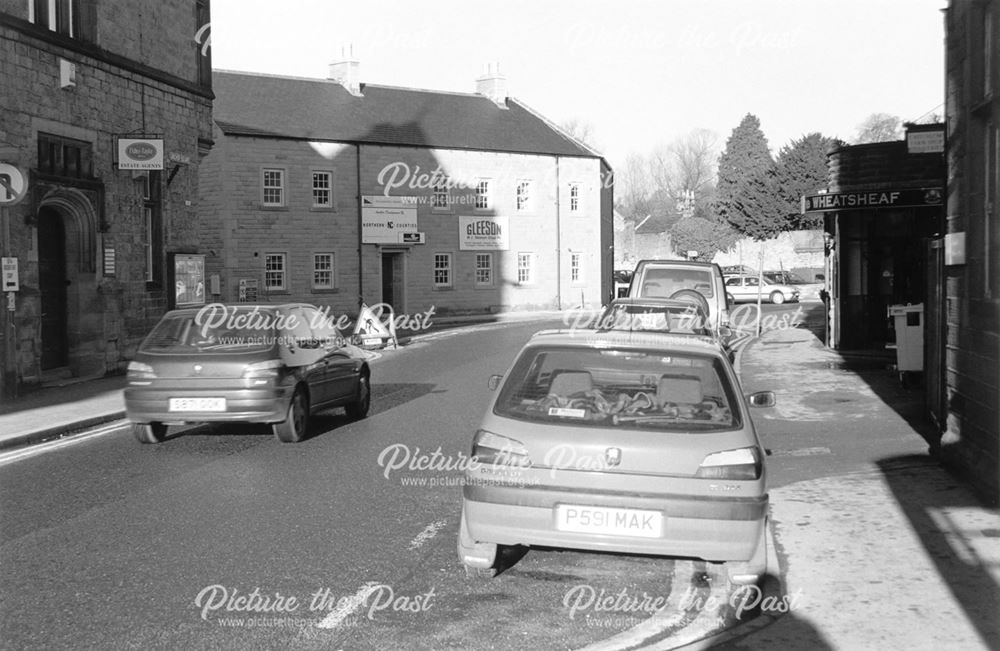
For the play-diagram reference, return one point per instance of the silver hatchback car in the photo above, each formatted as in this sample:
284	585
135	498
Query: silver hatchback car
635	442
272	364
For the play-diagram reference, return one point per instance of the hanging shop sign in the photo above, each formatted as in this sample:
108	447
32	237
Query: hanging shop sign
483	233
140	153
870	200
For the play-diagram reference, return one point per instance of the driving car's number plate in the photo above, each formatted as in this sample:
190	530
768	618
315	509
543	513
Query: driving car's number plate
197	404
599	519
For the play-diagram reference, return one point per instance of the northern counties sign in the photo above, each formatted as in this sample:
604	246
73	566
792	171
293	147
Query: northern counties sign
872	199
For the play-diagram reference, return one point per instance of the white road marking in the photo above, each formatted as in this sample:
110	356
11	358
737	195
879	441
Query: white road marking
58	444
348	606
429	532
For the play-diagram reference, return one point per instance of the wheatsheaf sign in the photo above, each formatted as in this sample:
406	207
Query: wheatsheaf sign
903	198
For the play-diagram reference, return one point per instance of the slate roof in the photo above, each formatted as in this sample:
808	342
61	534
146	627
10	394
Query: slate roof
319	109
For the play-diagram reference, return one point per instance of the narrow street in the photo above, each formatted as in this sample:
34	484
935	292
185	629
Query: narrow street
222	537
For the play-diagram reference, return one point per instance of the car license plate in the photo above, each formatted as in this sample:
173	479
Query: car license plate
599	519
197	404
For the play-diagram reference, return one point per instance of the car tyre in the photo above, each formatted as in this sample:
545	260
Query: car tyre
293	428
777	298
359	408
149	432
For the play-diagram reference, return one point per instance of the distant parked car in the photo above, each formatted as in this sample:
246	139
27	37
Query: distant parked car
745	288
272	364
784	278
622	278
629	442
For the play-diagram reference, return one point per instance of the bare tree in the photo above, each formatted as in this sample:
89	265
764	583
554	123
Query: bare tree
580	130
879	127
633	187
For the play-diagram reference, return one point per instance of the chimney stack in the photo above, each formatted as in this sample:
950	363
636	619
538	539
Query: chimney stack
493	85
347	72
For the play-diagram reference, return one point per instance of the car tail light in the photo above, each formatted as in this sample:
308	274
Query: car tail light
140	371
742	463
262	372
490	449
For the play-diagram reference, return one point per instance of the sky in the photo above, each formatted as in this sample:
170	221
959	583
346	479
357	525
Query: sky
639	73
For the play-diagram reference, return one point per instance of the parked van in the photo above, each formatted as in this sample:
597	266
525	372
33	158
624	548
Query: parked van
678	279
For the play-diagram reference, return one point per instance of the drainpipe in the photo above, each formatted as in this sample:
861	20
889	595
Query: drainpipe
361	267
558	242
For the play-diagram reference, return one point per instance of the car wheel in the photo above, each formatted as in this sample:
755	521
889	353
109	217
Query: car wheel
149	432
359	408
777	298
293	428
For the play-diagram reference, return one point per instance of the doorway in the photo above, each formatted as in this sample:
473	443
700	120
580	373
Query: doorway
393	280
52	284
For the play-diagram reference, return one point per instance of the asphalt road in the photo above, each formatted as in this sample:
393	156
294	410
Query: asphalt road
222	537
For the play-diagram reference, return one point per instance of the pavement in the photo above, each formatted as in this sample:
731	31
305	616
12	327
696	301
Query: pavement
899	554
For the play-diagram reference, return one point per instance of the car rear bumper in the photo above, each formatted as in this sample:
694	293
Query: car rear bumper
712	529
259	405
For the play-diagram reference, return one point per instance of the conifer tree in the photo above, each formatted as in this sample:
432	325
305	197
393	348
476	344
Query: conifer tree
746	186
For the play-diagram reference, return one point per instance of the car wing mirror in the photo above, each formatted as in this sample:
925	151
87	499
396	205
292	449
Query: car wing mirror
494	382
762	399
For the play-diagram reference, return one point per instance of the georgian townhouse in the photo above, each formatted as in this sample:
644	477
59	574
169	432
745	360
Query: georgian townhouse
334	192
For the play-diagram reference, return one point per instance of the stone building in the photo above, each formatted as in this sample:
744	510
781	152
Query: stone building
964	390
105	112
334	192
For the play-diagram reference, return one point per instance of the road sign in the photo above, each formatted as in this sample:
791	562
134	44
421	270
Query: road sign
13	184
412	238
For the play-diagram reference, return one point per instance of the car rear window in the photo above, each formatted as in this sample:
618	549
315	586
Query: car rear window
663	282
686	319
185	333
636	389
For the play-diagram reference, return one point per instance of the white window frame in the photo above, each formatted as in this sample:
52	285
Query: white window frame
525	264
487	268
53	23
444	259
280	188
332	270
576	267
282	272
440	197
575	199
318	174
484	194
522	195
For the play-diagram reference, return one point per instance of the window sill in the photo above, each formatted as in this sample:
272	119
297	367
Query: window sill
443	288
274	208
330	209
329	290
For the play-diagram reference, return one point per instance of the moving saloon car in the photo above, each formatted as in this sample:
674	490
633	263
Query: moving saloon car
635	442
272	364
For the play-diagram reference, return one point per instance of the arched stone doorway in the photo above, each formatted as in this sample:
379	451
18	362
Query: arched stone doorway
70	321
